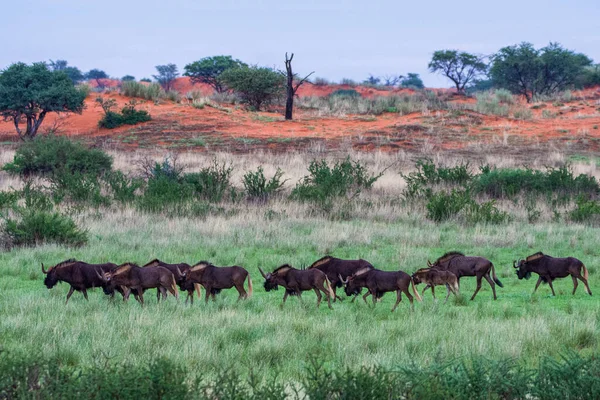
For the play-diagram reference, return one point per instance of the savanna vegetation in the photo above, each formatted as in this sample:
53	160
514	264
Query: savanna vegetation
258	210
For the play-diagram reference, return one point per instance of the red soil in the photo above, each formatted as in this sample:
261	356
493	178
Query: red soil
574	124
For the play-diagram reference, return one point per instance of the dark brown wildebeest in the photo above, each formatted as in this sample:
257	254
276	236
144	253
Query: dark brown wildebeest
379	282
295	281
337	270
434	277
80	275
214	279
134	278
178	271
549	268
461	265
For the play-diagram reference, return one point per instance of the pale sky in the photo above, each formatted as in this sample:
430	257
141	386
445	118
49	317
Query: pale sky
336	39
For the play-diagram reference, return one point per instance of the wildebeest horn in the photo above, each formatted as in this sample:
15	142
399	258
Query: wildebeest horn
102	277
262	272
514	263
43	269
179	273
342	279
429	264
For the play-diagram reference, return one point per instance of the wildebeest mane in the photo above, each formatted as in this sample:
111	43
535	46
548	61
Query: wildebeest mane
449	255
124	268
155	261
535	256
63	264
282	267
320	261
362	271
201	265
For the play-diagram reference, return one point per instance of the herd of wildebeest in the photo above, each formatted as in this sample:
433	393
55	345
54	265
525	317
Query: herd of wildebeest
323	276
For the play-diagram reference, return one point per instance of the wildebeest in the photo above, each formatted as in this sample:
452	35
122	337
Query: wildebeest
134	278
214	279
379	282
549	268
80	275
337	269
461	265
295	281
434	277
178	271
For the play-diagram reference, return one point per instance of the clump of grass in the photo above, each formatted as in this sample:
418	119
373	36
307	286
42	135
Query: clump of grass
489	103
152	91
523	114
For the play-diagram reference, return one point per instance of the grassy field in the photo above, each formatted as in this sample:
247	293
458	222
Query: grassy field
261	336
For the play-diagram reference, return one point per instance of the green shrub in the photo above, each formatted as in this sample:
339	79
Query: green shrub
325	183
128	116
442	206
257	186
211	183
486	212
345	93
586	210
507	182
161	193
255	86
123	188
33	227
77	187
152	91
428	174
47	154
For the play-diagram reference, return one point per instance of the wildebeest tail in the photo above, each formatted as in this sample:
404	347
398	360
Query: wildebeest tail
249	286
173	289
416	293
329	289
198	290
495	278
585	271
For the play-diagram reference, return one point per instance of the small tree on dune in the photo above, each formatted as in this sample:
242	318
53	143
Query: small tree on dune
460	67
97	75
166	75
30	92
411	80
73	73
255	85
128	78
209	69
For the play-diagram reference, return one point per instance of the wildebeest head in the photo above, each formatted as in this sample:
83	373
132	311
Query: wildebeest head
275	278
522	269
352	284
419	274
52	273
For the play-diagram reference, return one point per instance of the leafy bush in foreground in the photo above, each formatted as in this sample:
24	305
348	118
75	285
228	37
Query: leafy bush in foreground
47	154
257	186
128	116
34	227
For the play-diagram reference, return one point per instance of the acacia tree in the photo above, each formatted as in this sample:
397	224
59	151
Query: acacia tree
96	75
73	73
531	73
209	69
166	75
291	88
460	67
30	92
411	80
255	85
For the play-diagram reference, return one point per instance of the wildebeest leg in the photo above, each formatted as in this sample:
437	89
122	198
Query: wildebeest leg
433	291
424	289
318	297
69	294
574	284
478	287
365	296
241	291
285	296
448	293
551	287
492	284
410	298
163	292
537	284
85	294
354	298
398	299
585	282
207	296
140	297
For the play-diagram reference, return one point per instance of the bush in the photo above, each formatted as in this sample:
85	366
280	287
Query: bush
257	186
123	188
506	182
325	183
77	187
254	85
212	182
586	210
428	174
128	116
47	154
33	227
442	206
489	103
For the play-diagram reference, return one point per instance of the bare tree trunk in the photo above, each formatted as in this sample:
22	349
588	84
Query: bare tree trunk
291	89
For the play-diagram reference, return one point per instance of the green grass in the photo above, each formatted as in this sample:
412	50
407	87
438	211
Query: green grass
260	335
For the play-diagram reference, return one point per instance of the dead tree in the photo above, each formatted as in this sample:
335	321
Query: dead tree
291	88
